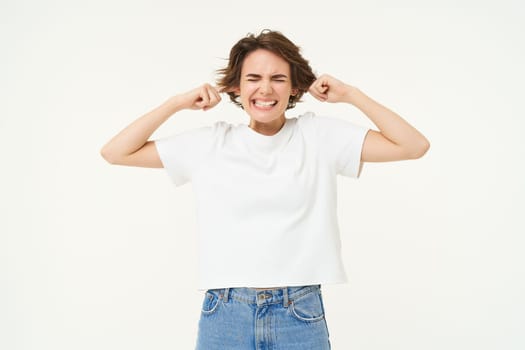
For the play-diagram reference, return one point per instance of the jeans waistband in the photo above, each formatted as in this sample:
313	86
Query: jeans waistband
284	295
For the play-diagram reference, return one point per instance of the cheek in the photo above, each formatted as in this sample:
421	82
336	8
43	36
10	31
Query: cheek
283	89
285	94
246	91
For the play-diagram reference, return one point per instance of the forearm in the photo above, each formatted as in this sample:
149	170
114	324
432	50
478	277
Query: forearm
135	135
391	125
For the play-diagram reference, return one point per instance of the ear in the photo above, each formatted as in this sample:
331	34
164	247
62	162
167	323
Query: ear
294	92
235	90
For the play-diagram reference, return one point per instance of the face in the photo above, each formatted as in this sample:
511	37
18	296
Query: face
265	86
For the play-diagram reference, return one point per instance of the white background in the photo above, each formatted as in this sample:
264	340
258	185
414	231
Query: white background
95	256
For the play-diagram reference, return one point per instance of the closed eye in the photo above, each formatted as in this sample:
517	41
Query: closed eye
282	78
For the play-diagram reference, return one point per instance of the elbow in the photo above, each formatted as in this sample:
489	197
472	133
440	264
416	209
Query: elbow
108	156
419	150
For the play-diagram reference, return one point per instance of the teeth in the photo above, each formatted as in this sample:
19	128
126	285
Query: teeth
265	103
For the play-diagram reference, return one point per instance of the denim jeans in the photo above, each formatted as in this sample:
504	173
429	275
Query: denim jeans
274	319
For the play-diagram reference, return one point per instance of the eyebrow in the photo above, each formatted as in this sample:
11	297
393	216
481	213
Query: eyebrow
275	76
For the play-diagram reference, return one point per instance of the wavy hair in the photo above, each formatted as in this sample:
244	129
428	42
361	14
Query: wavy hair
301	74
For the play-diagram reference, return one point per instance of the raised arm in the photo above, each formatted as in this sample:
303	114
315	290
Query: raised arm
131	146
396	138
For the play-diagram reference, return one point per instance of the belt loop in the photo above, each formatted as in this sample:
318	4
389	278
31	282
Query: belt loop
285	297
226	292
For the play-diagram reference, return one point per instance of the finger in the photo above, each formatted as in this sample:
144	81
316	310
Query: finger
317	91
322	97
214	98
220	90
313	89
204	98
216	94
318	95
320	86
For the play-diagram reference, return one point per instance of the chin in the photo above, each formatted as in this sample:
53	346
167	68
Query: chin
266	116
265	119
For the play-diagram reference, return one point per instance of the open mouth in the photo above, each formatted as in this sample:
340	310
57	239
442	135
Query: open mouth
264	104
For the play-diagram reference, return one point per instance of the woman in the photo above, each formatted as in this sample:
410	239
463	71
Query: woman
266	192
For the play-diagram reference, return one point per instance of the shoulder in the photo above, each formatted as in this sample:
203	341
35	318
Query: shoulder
318	123
311	118
323	123
306	118
194	136
214	130
306	121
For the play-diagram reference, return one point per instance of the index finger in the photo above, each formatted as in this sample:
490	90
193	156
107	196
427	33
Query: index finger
214	95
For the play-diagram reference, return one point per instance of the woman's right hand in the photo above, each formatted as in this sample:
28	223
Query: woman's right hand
131	145
203	97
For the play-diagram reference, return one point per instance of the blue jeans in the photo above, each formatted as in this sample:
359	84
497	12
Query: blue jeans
274	319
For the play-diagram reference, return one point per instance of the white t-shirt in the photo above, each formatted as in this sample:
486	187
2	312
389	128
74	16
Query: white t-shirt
266	205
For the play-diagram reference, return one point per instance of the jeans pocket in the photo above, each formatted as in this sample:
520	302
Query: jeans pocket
307	308
211	302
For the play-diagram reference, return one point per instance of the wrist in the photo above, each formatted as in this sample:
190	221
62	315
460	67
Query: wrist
174	103
350	94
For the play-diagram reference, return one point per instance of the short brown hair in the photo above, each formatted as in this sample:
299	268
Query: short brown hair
301	72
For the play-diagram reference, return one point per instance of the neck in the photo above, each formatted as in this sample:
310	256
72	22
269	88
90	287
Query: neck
270	128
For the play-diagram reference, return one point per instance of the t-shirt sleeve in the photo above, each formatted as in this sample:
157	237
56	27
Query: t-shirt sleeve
341	142
183	153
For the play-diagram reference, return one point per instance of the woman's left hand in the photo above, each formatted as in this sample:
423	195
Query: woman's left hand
396	138
328	89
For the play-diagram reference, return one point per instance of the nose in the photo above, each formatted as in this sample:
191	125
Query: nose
265	87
